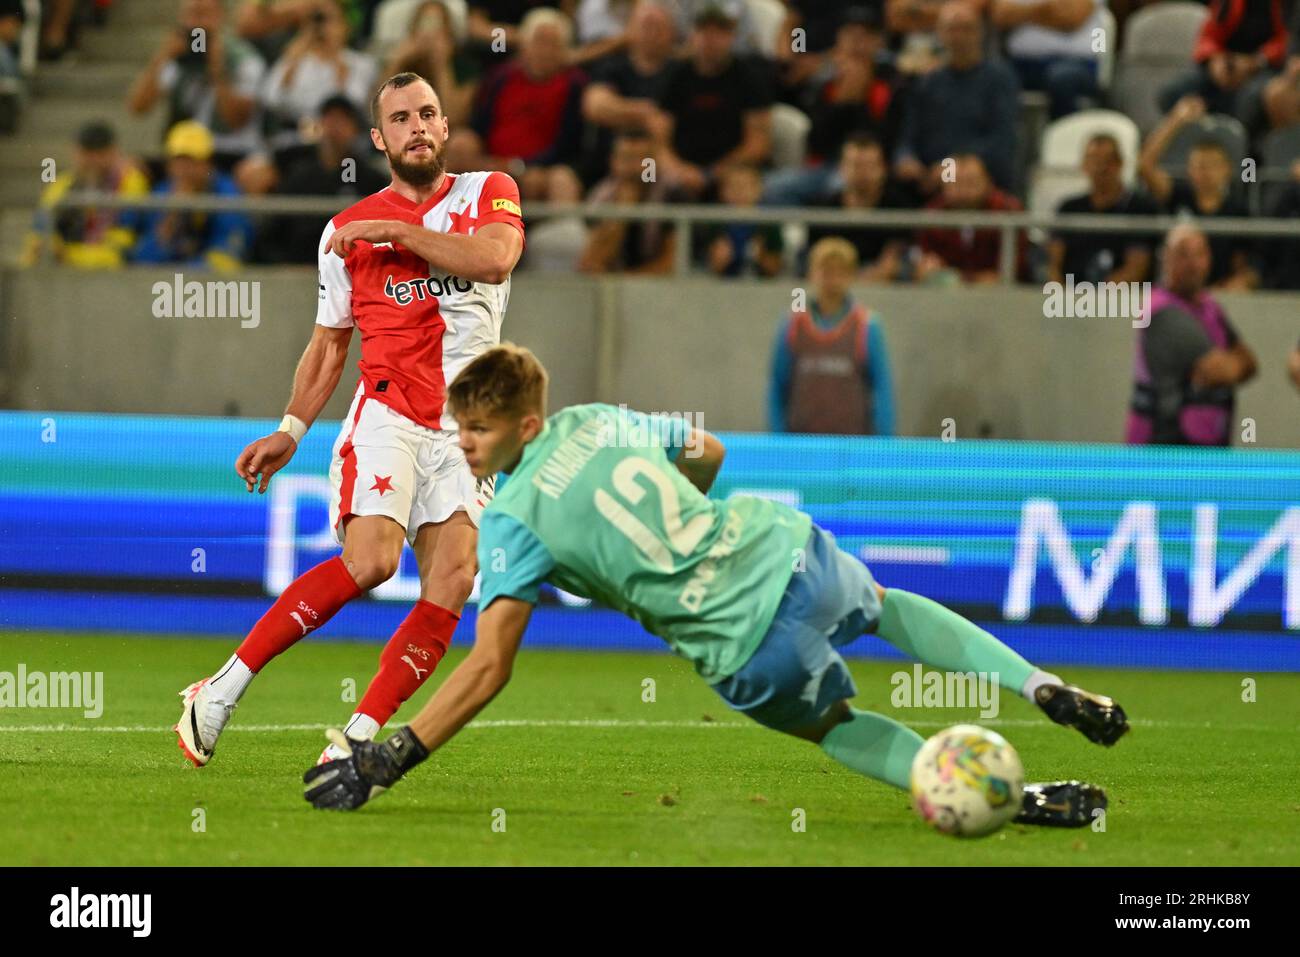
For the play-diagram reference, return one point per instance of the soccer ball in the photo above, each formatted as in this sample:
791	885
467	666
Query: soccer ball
967	781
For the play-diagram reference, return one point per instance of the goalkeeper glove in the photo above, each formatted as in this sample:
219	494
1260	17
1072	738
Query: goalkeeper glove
368	770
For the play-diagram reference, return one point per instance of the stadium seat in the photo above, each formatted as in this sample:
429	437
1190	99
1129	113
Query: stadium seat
790	127
1223	129
1281	148
1158	43
1106	59
1048	187
1278	152
392	23
1136	90
1034	115
1163	31
768	15
1063	141
554	245
794	236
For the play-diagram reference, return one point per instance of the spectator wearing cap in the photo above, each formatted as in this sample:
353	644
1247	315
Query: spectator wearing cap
851	99
969	105
265	170
830	371
1051	45
1207	192
88	238
625	88
1242	44
431	51
1190	359
337	166
215	85
746	41
315	65
715	108
1103	257
186	236
527	119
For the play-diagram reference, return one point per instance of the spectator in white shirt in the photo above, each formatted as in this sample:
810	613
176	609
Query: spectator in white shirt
209	75
316	65
1052	45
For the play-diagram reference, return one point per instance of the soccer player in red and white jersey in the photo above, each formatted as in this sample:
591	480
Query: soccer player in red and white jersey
422	268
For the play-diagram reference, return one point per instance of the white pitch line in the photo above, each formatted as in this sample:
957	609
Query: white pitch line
596	723
505	723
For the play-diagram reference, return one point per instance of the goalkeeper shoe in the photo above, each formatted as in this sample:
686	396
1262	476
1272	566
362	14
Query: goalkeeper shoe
332	752
360	728
1061	804
1097	718
202	719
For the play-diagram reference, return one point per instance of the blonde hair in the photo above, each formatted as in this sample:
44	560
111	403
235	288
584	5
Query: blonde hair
506	380
833	247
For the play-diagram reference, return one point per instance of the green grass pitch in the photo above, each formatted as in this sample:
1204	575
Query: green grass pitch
586	772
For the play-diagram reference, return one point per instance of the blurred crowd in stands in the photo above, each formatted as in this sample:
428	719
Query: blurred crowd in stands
836	104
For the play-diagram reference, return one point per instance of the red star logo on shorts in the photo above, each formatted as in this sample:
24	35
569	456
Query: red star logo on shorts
384	483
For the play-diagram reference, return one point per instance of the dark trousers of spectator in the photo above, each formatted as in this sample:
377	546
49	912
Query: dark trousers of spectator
1245	102
1065	80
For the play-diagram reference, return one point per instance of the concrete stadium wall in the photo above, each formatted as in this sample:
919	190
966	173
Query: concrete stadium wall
986	358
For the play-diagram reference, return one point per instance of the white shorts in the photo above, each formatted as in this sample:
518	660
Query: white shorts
385	464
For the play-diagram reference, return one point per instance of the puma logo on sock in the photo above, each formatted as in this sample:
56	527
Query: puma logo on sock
418	671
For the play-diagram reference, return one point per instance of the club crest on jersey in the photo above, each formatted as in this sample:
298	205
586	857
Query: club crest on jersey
407	291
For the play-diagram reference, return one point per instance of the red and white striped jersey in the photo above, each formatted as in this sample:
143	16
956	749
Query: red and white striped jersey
419	328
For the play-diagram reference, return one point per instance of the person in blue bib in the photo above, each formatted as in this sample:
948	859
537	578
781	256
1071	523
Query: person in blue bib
611	504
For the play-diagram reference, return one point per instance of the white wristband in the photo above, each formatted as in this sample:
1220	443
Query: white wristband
295	426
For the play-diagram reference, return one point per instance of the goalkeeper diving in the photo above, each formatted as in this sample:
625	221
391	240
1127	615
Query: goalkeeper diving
750	591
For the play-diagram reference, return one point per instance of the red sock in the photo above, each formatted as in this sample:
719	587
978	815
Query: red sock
309	602
408	659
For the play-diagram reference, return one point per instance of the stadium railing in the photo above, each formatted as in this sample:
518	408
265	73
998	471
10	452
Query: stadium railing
684	216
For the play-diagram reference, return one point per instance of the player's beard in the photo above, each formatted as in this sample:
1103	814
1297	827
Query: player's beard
418	173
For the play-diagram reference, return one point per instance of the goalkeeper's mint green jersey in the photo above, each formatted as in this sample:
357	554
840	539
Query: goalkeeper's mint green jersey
597	507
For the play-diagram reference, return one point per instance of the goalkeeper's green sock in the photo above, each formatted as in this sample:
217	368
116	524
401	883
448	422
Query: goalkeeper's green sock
876	746
941	638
